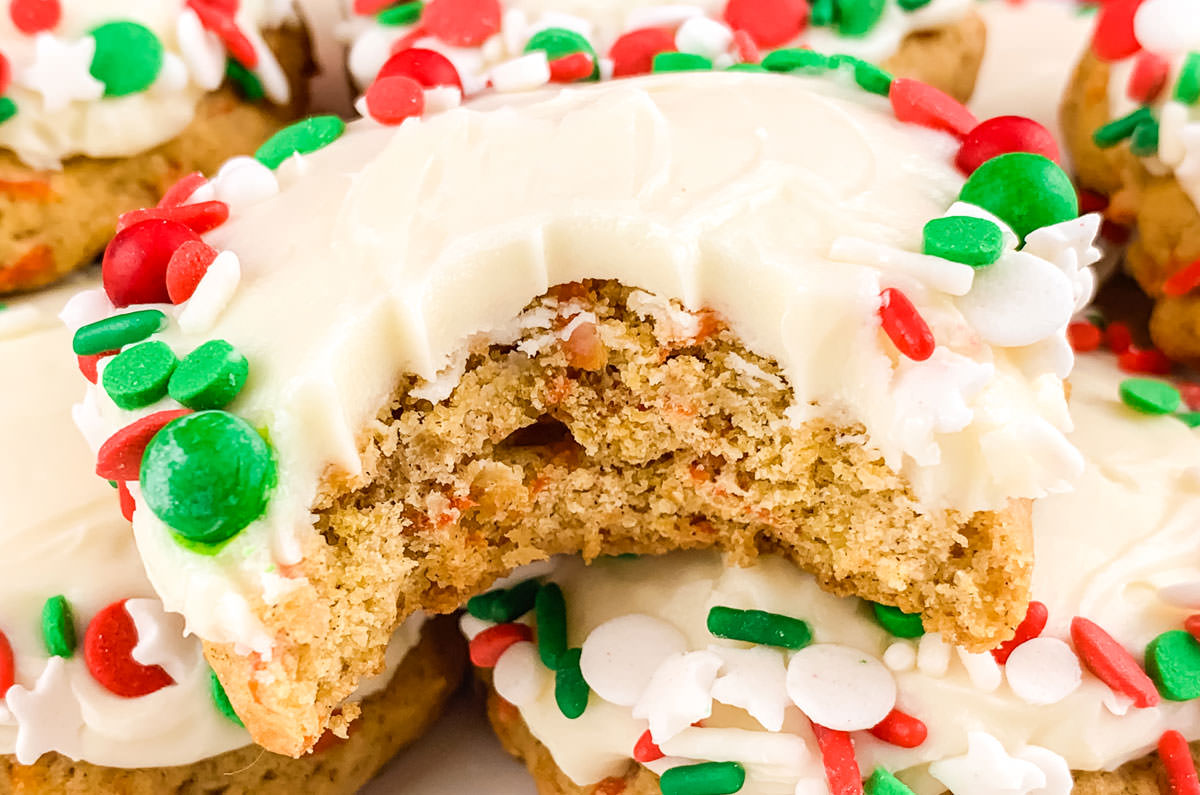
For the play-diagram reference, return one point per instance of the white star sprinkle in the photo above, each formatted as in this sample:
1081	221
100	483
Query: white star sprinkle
987	769
755	680
48	717
60	71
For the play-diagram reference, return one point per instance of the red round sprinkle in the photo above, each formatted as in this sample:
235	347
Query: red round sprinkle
200	217
633	53
915	102
1190	393
771	23
8	666
487	646
5	73
1118	337
1176	759
221	22
907	330
120	457
1084	336
391	100
108	650
1184	280
1002	135
901	729
128	504
837	755
1192	625
1148	78
462	23
429	68
88	364
182	190
1148	361
135	261
747	50
1030	627
645	750
1092	202
370	7
1114	38
34	16
573	67
186	268
1112	663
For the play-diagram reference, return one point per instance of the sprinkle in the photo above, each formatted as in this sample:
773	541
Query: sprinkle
770	23
1030	627
522	73
822	15
900	656
209	377
113	333
753	679
1148	78
1183	281
1118	130
216	288
573	68
125	501
837	757
248	86
182	190
840	687
8	667
391	100
933	655
58	627
1001	135
120	457
857	17
519	678
8	109
1144	141
881	782
680	62
1192	625
138	376
207	476
1176	757
900	729
759	626
706	778
403	14
89	365
504	605
570	690
303	137
5	73
949	277
1111	663
621	655
1113	38
221	698
897	622
961	238
108	645
1145	361
135	261
982	669
1187	87
704	36
747	51
1118	337
128	57
1024	190
200	217
868	76
912	5
633	53
904	326
559	43
679	693
221	23
34	16
551	611
1042	671
1149	396
644	750
1173	662
368	7
1084	337
186	269
795	59
487	646
915	102
462	23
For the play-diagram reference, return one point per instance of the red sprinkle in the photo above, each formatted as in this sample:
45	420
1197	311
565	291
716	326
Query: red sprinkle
645	750
1084	336
1119	337
88	365
128	504
1002	135
1184	280
920	103
1112	663
428	67
1030	627
34	16
1114	38
1091	202
182	190
1192	625
5	73
200	217
186	268
487	646
1191	394
901	729
8	666
220	21
770	23
462	23
837	754
571	68
391	100
747	50
1149	361
633	53
371	7
907	330
135	261
120	457
1148	78
108	650
1176	759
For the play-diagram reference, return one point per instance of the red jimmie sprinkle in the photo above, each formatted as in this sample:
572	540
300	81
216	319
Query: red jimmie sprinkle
1148	361
182	190
633	53
1091	202
907	330
1118	337
8	667
1084	336
1192	625
1190	393
1148	78
1184	280
135	262
837	754
747	51
220	21
200	217
1114	38
573	67
1112	663
1177	761
88	364
34	16
5	73
915	102
369	7
428	67
462	23
391	100
128	504
120	457
770	23
901	729
487	646
1030	627
108	650
1002	135
645	750
186	268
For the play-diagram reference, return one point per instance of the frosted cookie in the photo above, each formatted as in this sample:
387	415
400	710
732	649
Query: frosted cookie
100	691
760	312
607	677
1132	122
103	105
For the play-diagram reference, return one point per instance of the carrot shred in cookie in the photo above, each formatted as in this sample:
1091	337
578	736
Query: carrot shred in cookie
38	190
34	264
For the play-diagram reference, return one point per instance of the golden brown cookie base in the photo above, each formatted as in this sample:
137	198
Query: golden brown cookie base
1166	220
391	719
53	222
947	57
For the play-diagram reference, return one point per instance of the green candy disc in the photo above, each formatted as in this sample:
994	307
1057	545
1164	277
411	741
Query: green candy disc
209	377
138	376
403	14
207	476
680	62
303	137
912	5
882	782
58	627
221	699
1173	662
963	238
128	57
560	42
570	690
114	333
1024	190
897	622
857	17
8	109
1149	396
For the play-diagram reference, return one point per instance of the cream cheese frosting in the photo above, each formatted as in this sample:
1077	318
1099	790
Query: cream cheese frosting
1118	550
62	110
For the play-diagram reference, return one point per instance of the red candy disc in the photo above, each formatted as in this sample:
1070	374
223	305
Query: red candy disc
907	330
901	729
645	750
1030	627
128	504
462	23
120	457
370	7
34	16
633	53
1084	337
391	100
915	102
186	268
1148	78
1119	337
1114	38
1112	663
771	23
8	667
487	646
135	261
1002	135
429	68
108	650
569	68
837	755
1145	361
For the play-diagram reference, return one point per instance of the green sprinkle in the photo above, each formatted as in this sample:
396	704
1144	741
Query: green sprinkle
128	57
114	333
58	627
822	13
868	76
247	84
1118	130
882	782
560	42
403	14
505	605
220	699
1144	141
963	238
706	778
303	137
746	67
570	691
1187	87
8	109
1189	418
680	62
912	5
794	59
759	626
1173	662
138	376
857	17
551	613
897	622
209	377
1149	396
1024	190
207	476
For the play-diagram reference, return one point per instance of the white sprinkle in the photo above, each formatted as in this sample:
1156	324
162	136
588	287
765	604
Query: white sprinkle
982	669
519	676
786	751
953	278
1171	27
933	655
470	626
1059	780
86	306
522	73
1018	301
442	98
1182	594
160	639
1042	671
664	16
620	656
242	183
900	656
212	294
679	694
703	36
202	51
840	687
755	680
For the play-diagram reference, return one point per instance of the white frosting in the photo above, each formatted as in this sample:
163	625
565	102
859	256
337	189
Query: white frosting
61	110
1103	552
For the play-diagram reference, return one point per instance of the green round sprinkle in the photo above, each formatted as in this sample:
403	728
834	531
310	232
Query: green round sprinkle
207	475
857	17
822	13
897	622
505	605
1189	418
1118	130
248	86
8	109
550	610
882	782
303	137
1187	87
759	626
794	59
1173	662
1144	141
58	627
570	691
220	699
680	62
560	42
868	76
209	377
138	376
1024	190
114	333
962	238
912	5
403	14
128	57
1149	396
706	778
